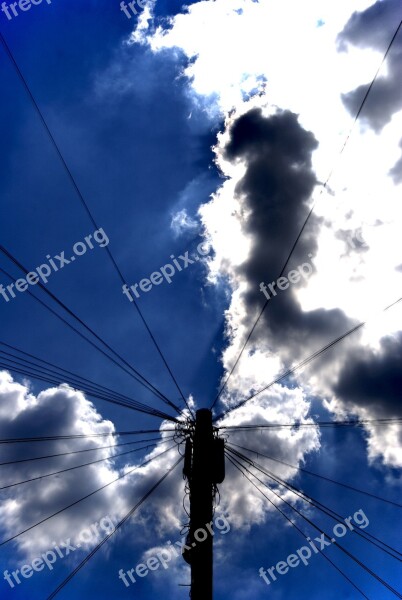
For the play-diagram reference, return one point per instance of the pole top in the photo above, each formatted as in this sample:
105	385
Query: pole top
204	416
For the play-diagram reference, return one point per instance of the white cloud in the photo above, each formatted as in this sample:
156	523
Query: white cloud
63	411
182	222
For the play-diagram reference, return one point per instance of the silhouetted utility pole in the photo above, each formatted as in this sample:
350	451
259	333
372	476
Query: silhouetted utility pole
204	467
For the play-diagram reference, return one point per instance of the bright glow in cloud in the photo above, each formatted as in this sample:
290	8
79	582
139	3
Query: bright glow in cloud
289	55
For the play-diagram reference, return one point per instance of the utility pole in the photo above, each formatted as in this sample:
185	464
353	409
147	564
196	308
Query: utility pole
204	467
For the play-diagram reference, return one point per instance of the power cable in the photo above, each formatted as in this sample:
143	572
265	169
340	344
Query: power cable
302	363
84	497
23	460
371	539
119	524
86	208
302	470
325	185
115	398
240	468
78	436
93	462
342	548
138	377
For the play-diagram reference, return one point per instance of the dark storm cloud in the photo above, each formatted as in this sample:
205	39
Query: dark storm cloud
374	380
275	192
373	28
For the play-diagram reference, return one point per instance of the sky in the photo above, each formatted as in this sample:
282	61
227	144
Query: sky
193	140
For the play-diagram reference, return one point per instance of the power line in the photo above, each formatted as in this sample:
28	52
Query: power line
93	462
138	377
84	497
38	372
320	424
262	311
325	185
119	524
54	367
78	436
87	209
78	332
33	373
371	539
48	379
373	82
301	469
31	459
344	550
301	364
111	456
242	468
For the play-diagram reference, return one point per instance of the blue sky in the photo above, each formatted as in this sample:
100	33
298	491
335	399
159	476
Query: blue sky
217	124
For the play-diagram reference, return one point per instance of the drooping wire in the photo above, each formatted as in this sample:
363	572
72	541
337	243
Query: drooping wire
78	436
96	448
320	424
55	368
32	374
91	389
371	539
303	363
302	470
78	332
323	188
136	374
119	524
342	548
242	470
93	462
143	464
